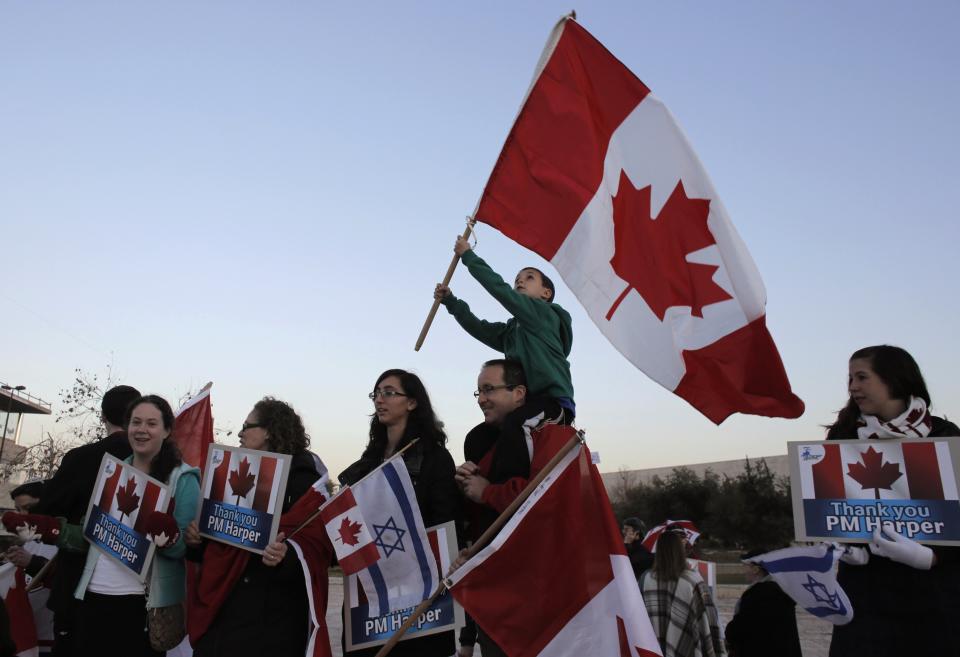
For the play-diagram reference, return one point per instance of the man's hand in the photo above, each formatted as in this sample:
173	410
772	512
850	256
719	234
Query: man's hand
466	470
473	487
441	292
461	559
191	535
461	247
275	552
18	556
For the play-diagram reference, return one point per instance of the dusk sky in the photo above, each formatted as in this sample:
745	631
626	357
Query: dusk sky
264	195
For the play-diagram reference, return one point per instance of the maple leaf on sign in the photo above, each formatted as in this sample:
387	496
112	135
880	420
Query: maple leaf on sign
873	472
241	480
127	498
651	253
349	531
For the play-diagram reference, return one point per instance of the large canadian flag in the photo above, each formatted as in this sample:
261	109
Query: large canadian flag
556	581
597	177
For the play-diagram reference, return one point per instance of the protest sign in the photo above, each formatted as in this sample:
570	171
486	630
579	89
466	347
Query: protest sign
242	496
364	631
843	490
123	498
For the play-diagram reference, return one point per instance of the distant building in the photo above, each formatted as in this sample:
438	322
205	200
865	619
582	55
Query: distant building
14	404
618	481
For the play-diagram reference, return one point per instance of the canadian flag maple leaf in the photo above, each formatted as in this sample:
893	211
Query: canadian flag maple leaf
873	472
241	480
651	253
127	498
349	531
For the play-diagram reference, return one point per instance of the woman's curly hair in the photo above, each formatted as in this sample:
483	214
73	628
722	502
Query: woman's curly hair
285	432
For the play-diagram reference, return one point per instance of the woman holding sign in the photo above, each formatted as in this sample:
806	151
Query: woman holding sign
247	604
403	412
113	616
905	596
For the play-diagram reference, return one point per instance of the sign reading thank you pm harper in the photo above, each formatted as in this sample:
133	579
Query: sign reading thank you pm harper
243	493
123	498
843	490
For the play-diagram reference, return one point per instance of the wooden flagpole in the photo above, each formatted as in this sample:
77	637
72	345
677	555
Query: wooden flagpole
446	281
484	539
316	513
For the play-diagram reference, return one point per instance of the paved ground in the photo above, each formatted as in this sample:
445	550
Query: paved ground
814	633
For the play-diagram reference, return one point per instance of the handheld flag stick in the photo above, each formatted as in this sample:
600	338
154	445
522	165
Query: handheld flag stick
446	281
39	579
484	539
313	516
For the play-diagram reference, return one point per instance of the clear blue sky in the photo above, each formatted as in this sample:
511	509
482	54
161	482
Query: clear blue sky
264	194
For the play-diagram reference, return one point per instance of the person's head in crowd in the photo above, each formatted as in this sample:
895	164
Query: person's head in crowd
632	530
501	389
150	425
670	558
755	572
274	426
114	405
27	495
881	381
402	411
533	283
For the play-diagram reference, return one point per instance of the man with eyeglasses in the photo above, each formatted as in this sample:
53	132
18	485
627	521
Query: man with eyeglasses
498	462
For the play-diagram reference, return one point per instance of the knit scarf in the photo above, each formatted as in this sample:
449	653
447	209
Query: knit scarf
914	422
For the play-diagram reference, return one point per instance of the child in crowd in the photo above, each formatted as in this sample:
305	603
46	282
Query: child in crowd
539	333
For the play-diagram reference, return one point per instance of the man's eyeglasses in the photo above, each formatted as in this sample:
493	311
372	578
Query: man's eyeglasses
250	425
386	394
486	390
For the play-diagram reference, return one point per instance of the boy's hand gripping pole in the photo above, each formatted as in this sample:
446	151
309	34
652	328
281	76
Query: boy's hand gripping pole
446	281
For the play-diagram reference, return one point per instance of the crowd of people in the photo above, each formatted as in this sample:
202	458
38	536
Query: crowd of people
249	604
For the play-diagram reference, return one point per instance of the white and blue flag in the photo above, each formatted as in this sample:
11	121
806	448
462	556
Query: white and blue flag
809	575
406	573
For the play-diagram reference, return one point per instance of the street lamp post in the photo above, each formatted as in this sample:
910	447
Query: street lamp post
3	439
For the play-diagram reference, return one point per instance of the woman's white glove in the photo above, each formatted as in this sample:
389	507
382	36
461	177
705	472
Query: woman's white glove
902	549
853	554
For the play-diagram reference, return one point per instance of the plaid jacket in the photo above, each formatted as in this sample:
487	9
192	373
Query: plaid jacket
682	615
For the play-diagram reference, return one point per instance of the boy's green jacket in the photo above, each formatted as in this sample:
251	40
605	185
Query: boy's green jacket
539	334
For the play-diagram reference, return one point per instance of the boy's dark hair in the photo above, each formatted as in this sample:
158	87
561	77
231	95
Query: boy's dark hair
115	402
547	283
635	523
513	374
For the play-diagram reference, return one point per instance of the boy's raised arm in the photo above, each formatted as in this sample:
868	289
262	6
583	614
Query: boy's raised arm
519	305
489	333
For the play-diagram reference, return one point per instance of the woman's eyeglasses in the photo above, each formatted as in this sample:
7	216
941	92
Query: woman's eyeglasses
250	425
386	394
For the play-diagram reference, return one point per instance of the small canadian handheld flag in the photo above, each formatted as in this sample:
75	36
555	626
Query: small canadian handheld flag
597	177
349	533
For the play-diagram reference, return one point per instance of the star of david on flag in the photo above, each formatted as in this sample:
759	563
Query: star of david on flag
406	572
809	576
387	542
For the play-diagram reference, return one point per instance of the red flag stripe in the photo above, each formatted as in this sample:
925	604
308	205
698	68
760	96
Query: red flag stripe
219	484
527	198
268	468
110	489
148	505
828	475
739	373
923	471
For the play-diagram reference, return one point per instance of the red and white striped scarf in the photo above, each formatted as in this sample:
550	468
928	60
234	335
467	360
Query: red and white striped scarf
914	422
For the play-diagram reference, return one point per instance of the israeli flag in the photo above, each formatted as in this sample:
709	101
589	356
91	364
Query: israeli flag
406	573
809	575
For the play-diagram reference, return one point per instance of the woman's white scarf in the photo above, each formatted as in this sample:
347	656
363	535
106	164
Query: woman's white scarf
914	422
